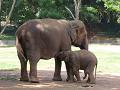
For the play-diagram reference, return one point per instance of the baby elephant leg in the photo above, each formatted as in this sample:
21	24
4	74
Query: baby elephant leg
91	78
85	74
70	75
76	73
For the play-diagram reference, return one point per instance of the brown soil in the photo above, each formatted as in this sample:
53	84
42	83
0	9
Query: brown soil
9	80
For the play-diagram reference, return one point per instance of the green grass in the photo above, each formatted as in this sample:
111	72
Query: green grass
108	58
7	37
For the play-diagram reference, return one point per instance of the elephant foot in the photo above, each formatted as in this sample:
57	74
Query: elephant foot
57	79
71	79
34	80
25	79
92	82
67	79
78	81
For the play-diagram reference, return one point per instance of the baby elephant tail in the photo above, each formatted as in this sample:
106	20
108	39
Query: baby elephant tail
95	70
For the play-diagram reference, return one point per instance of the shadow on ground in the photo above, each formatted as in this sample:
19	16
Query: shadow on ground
9	80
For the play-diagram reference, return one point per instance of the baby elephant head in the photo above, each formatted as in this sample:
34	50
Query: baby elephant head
64	56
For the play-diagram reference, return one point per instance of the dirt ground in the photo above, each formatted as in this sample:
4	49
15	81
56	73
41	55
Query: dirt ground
9	80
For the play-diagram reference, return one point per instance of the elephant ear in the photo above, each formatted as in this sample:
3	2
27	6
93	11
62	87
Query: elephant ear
72	31
75	24
77	30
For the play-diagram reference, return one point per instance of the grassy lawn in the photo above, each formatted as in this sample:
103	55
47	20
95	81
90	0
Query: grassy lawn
108	58
7	37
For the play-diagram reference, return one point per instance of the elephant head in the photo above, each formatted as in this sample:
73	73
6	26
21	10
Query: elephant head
78	34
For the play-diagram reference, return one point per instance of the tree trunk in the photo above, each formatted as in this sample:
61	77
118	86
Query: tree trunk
8	18
77	4
0	13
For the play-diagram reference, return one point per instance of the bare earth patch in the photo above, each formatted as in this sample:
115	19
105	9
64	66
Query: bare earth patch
9	80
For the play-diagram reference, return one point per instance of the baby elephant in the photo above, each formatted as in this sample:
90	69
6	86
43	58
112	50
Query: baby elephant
80	60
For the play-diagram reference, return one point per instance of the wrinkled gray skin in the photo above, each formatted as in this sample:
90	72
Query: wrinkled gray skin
80	60
44	39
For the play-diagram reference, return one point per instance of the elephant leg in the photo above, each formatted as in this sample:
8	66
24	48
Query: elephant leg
23	62
33	72
85	74
88	80
68	71
92	79
57	75
33	68
76	72
70	75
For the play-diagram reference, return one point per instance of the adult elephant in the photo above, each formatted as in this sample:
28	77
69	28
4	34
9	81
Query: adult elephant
44	39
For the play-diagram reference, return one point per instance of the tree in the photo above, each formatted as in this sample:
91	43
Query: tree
0	13
8	18
95	11
77	5
0	4
113	9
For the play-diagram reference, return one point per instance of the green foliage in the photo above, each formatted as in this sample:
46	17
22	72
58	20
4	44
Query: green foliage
51	14
112	4
110	10
30	9
118	20
5	8
22	12
49	9
89	14
104	11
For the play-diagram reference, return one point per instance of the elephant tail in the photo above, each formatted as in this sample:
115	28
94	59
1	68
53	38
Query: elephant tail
95	69
20	50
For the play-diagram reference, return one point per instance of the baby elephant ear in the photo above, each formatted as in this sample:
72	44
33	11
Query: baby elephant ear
67	55
63	56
